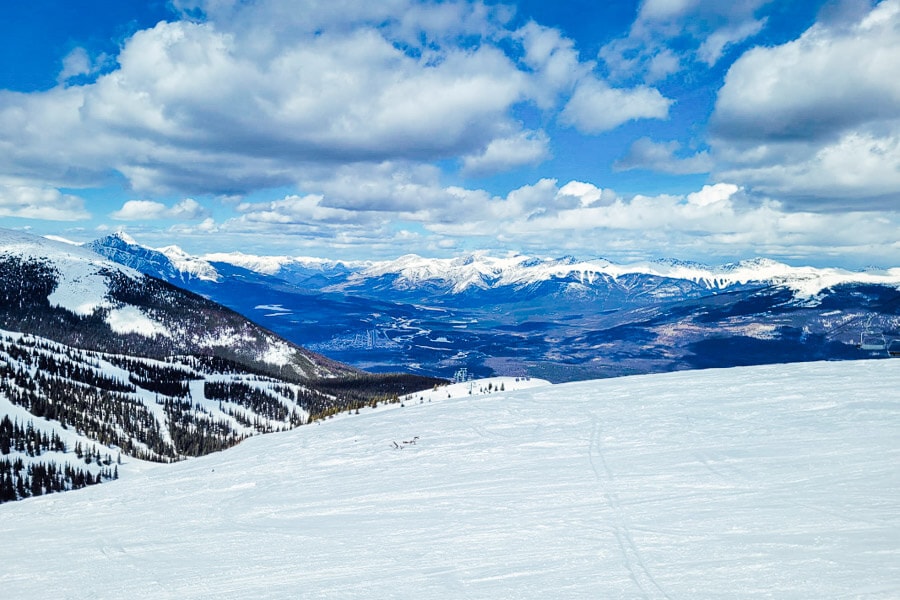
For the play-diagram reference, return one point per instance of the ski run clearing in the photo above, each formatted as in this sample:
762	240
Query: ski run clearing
779	481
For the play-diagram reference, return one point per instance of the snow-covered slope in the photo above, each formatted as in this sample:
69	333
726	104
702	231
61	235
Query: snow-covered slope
776	481
81	283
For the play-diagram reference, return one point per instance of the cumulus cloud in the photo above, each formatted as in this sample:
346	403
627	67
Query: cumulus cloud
816	86
554	61
77	62
596	107
714	46
241	96
717	223
587	193
670	34
244	96
502	154
817	117
644	153
148	210
294	210
19	199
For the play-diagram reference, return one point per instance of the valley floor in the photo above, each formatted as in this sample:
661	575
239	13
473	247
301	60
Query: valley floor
778	481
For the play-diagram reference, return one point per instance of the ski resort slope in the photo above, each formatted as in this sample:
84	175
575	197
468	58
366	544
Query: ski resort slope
778	481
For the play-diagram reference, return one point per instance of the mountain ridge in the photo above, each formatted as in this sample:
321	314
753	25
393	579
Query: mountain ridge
482	270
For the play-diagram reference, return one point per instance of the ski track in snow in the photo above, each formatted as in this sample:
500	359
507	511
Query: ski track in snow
778	481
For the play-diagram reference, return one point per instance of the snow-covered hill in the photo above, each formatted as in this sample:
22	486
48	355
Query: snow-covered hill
776	481
74	296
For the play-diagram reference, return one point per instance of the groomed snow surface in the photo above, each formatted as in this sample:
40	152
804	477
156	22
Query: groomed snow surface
764	482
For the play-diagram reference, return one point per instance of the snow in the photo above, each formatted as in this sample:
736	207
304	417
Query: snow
482	271
57	238
191	265
82	286
81	289
271	265
278	353
130	319
267	265
122	235
775	481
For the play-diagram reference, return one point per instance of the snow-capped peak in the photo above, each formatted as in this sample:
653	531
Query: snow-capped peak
126	238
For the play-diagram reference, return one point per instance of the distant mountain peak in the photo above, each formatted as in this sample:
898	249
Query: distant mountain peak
171	262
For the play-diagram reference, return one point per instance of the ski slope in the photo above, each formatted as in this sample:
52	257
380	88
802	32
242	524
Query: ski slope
780	481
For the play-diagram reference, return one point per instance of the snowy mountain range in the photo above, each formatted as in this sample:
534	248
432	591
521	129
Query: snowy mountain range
561	319
481	271
775	481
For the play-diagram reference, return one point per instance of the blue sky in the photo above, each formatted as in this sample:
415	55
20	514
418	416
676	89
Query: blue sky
693	129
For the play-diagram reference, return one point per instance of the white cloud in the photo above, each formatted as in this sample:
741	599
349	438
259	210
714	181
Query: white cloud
206	226
817	118
554	61
188	209
714	46
77	62
587	193
595	107
644	153
711	194
818	85
148	210
24	200
717	223
261	94
294	210
668	35
502	154
137	210
860	169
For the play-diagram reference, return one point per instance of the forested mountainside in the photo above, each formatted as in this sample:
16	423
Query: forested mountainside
69	414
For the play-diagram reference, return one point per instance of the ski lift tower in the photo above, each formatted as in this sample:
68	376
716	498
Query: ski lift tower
872	339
